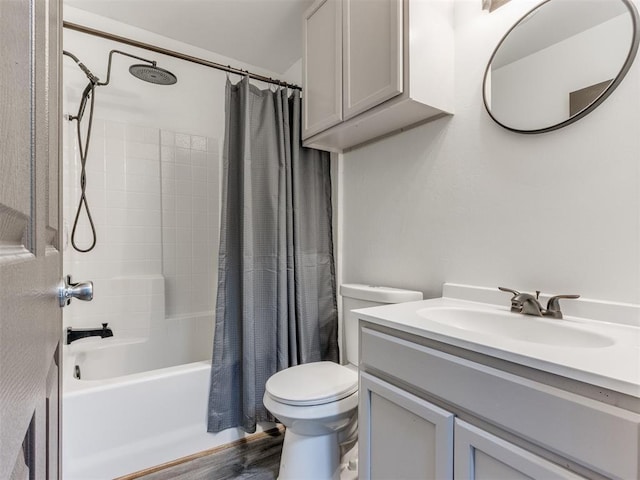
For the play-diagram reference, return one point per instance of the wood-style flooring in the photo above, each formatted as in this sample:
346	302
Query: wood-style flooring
254	458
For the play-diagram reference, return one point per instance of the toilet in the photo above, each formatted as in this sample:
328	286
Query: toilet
318	402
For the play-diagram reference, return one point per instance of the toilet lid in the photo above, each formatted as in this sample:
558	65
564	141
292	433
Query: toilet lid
312	384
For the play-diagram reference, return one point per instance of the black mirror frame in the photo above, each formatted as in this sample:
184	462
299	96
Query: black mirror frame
635	20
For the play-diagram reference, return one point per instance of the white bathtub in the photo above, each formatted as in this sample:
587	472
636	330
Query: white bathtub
119	425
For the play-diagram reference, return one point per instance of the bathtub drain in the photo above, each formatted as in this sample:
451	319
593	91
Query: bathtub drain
76	372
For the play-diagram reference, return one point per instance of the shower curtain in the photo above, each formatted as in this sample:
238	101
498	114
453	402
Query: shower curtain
276	302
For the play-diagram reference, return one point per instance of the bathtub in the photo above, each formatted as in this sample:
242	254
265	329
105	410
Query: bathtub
116	421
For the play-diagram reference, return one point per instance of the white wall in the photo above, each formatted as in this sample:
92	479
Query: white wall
463	200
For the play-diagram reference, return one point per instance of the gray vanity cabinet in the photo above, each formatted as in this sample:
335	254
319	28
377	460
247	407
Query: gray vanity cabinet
432	411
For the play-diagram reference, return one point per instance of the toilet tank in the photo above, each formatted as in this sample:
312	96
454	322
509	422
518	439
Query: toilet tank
361	296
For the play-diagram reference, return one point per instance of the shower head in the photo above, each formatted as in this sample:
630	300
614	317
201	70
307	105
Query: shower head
149	73
152	74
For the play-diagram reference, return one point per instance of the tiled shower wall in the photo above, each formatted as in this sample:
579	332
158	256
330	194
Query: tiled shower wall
154	205
189	223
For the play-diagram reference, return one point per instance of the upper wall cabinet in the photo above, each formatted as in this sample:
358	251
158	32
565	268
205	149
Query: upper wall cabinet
373	67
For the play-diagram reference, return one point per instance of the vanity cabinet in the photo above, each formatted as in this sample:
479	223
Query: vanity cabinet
430	410
373	67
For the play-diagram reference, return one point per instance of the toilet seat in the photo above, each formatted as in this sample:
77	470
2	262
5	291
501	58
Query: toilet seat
314	383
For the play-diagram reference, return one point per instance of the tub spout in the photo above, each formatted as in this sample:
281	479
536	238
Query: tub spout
78	333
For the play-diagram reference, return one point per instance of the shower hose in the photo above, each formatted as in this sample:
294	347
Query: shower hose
83	150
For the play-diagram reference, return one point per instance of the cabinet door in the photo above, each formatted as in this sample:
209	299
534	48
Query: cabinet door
372	46
322	66
480	455
402	436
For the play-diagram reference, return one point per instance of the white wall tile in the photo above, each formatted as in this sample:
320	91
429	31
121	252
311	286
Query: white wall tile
168	166
137	133
183	156
183	140
114	129
184	203
198	158
143	166
168	188
167	138
148	151
199	174
114	147
97	127
184	173
198	143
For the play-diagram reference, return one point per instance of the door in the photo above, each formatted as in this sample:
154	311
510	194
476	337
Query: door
480	455
372	46
402	436
30	258
322	66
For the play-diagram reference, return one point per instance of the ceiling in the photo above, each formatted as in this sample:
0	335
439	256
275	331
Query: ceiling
264	33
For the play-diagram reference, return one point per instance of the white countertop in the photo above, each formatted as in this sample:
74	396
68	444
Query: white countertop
615	366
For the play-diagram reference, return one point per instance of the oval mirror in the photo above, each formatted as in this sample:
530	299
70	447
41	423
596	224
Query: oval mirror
559	62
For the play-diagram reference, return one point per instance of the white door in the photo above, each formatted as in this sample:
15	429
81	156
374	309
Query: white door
30	258
402	437
322	66
372	46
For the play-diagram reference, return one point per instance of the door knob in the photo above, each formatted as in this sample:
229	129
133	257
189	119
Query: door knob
69	290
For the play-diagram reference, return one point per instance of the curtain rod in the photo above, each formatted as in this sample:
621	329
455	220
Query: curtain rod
174	54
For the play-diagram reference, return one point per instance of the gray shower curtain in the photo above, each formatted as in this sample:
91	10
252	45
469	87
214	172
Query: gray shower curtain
276	302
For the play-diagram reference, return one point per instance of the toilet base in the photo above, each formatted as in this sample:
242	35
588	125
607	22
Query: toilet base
312	457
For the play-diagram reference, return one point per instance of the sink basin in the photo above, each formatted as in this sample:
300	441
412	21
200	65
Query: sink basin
514	326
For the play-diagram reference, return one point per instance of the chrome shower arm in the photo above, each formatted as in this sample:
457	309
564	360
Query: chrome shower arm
152	62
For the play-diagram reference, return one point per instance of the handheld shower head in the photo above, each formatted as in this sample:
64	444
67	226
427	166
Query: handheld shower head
152	74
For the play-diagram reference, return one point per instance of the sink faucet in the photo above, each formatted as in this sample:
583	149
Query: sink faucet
530	305
78	333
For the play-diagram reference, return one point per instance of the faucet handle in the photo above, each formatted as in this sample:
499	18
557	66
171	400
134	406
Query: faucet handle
553	305
517	301
504	289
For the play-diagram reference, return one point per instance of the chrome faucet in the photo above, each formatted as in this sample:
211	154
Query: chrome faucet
77	334
530	305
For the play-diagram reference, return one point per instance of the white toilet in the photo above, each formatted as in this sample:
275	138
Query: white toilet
318	402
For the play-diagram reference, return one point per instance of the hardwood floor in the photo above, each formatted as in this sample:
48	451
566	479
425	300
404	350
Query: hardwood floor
254	458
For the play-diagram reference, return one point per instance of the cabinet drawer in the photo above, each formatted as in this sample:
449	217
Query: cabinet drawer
599	436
